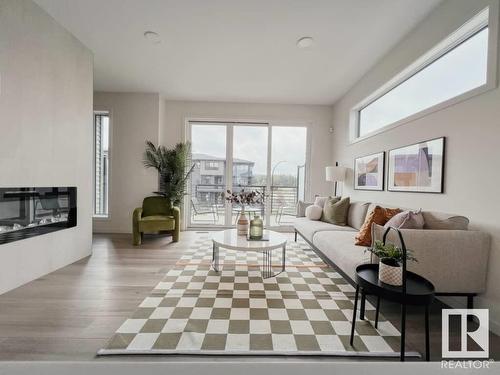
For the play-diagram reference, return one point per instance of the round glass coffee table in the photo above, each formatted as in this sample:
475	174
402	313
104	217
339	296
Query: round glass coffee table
229	240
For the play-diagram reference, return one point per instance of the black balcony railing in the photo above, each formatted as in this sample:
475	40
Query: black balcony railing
281	198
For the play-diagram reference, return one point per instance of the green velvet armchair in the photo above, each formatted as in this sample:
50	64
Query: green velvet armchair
156	215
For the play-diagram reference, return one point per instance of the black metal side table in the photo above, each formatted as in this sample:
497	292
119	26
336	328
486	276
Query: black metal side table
416	291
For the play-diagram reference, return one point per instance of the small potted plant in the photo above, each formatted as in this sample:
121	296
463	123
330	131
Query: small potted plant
390	257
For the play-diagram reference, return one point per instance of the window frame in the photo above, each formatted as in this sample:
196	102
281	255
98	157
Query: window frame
110	127
230	122
486	18
211	165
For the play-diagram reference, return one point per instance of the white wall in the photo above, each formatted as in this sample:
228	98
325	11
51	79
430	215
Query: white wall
472	128
317	117
134	118
46	132
137	117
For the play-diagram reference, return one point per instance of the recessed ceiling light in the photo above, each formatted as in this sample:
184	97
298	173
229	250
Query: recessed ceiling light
152	37
305	42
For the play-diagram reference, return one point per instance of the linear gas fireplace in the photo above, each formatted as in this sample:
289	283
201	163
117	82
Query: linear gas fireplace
31	211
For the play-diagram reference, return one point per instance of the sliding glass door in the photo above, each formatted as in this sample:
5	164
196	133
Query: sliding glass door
288	174
208	179
249	164
246	156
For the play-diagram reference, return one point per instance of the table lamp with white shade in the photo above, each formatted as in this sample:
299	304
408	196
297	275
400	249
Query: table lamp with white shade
335	174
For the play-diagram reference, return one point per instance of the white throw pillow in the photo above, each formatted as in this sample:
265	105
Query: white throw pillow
320	201
314	212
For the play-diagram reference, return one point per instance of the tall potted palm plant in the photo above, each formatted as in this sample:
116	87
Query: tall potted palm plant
174	167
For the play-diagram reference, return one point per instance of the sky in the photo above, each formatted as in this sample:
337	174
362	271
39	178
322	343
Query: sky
250	143
456	72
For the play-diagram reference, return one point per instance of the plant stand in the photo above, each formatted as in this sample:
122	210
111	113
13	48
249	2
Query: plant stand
416	291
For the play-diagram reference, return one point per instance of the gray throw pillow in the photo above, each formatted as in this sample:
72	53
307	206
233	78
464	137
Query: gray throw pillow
407	220
301	208
335	211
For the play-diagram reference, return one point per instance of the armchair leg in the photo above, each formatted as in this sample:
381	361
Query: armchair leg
137	238
175	234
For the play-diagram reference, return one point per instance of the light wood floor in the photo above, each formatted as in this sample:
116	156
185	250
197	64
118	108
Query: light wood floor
71	313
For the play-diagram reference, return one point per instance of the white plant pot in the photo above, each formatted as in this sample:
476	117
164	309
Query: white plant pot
390	274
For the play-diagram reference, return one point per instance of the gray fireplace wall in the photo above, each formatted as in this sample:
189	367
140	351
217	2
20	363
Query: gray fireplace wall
46	132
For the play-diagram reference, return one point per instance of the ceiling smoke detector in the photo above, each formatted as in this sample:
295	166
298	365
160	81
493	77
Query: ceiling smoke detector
152	37
305	42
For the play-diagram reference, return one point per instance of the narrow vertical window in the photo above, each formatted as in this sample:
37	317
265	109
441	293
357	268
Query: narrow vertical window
101	164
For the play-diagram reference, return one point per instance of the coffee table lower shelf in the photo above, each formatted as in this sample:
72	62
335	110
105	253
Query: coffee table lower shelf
230	241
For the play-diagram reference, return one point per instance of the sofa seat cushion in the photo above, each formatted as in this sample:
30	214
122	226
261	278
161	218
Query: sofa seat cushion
339	247
157	218
155	223
308	228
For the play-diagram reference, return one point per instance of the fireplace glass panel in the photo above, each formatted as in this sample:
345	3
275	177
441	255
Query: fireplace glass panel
26	212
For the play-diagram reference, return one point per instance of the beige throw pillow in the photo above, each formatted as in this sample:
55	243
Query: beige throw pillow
335	211
314	212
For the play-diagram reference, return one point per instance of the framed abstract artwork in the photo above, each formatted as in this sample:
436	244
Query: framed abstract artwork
418	167
369	172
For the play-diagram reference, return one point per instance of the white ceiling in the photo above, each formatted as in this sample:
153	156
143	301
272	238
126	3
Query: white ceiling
237	50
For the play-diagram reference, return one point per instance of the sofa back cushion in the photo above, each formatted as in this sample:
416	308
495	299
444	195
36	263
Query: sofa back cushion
357	214
440	257
440	220
156	205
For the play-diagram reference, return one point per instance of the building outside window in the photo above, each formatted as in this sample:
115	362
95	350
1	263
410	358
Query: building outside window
218	180
208	184
212	165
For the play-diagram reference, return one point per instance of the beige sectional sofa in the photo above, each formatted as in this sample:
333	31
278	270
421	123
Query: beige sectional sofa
452	257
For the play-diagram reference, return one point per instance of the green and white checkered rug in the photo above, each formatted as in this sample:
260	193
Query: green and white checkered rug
306	310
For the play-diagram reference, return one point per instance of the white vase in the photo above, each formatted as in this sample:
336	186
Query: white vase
389	274
242	224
